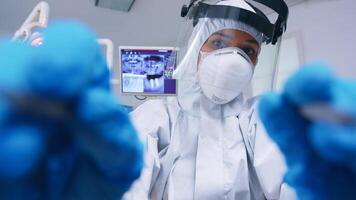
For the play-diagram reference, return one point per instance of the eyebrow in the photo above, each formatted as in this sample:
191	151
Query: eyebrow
223	35
253	42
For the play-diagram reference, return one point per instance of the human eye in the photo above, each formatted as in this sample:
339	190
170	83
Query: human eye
219	44
250	52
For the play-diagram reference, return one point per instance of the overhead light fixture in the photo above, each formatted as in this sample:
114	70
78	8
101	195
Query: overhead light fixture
120	5
37	19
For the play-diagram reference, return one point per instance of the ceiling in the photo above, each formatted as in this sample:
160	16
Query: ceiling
293	2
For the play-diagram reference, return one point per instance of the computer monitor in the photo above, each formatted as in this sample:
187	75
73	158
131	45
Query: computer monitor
148	70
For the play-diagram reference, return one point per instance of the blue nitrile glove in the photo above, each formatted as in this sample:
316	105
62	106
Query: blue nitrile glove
63	134
321	155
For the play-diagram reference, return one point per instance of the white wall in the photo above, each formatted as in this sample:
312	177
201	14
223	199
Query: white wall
328	30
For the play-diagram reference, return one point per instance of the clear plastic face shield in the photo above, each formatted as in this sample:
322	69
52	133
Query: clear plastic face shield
249	29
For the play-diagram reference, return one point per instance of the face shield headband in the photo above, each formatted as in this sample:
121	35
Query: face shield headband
271	31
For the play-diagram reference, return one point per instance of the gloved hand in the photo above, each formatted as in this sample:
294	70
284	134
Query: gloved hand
321	155
63	135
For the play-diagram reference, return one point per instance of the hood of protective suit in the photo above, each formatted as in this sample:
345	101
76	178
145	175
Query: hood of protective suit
190	96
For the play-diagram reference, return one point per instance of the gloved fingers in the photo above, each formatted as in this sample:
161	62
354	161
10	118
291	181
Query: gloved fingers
312	83
5	110
284	124
101	111
325	148
69	60
65	64
70	36
334	142
21	148
111	138
344	98
288	129
115	150
96	105
15	58
82	49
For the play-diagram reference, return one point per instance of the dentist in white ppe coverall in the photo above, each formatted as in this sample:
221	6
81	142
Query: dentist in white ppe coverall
207	143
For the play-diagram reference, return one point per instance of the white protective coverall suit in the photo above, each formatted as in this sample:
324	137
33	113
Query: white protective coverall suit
196	149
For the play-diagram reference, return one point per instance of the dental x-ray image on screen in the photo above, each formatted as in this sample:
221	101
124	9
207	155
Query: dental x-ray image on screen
148	70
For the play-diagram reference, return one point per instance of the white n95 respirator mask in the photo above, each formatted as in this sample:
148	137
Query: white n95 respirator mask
224	74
